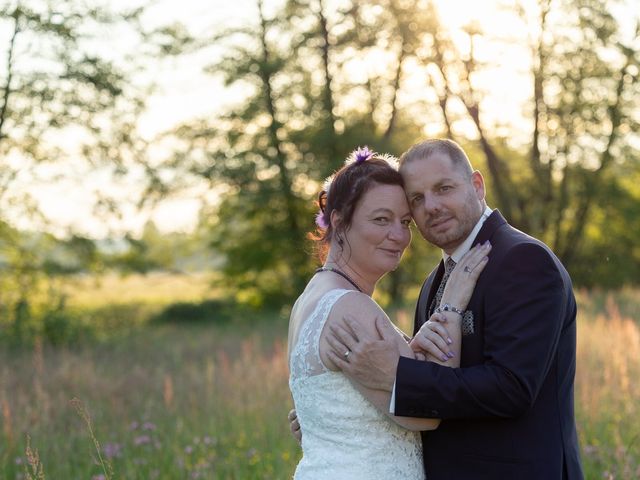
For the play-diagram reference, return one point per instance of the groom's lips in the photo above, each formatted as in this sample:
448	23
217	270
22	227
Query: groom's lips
437	223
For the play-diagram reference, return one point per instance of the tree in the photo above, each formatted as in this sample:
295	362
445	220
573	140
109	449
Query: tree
316	93
271	153
258	226
69	105
585	87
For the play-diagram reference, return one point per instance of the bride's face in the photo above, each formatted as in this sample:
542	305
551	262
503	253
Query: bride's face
379	231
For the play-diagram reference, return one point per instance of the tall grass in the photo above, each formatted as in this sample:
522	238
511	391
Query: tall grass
608	393
210	400
174	402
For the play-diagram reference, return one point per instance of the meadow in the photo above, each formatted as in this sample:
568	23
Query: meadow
209	399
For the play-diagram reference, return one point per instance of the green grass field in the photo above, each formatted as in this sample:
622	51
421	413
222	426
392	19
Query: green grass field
209	400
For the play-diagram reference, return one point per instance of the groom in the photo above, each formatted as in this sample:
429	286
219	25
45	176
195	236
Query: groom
508	410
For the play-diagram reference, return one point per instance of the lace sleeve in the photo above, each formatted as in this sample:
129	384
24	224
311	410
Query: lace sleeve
305	356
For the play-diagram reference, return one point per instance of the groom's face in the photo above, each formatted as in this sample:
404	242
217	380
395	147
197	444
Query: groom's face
446	202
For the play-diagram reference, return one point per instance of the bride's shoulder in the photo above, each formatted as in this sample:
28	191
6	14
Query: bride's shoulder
357	305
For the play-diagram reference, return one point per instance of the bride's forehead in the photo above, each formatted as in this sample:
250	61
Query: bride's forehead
382	193
391	197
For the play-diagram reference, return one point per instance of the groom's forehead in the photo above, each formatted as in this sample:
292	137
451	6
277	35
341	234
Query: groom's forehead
434	167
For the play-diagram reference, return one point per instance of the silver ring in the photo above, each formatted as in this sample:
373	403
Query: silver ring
467	269
346	355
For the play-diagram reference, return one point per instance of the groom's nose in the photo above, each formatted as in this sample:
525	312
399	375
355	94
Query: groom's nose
431	203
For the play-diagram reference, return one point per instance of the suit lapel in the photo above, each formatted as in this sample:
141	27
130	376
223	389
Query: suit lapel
489	226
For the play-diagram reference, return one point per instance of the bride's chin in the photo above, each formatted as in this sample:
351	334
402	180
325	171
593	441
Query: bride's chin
391	268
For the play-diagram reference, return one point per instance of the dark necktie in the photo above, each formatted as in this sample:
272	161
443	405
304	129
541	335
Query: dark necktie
448	267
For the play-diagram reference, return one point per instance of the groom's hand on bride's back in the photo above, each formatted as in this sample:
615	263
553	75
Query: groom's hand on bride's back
294	426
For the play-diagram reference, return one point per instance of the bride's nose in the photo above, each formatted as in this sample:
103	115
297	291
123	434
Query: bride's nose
397	232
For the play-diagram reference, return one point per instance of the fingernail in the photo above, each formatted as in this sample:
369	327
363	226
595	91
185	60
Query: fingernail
444	358
449	341
451	354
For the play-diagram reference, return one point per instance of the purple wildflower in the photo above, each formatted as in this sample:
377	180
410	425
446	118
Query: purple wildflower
112	450
320	221
362	154
148	426
142	440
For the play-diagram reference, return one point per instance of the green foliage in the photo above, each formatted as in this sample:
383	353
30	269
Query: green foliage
58	87
313	101
319	82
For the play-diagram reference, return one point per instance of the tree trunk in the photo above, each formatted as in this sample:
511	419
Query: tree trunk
7	88
285	181
327	94
592	182
396	87
538	216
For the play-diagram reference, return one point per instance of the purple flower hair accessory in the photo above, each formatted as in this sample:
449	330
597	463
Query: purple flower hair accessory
320	221
362	154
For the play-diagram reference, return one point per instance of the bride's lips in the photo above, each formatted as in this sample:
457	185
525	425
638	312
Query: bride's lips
392	251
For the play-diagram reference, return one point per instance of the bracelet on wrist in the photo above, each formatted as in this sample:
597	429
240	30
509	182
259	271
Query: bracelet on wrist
445	307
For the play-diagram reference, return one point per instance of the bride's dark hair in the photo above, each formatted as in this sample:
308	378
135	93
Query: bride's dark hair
345	189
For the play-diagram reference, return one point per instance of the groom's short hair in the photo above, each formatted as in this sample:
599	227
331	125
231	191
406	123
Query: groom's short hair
439	146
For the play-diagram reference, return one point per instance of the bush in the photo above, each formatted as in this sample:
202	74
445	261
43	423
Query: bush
196	312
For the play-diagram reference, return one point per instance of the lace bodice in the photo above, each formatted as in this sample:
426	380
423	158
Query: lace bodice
343	435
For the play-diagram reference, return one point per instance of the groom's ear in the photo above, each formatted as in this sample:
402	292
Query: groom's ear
477	180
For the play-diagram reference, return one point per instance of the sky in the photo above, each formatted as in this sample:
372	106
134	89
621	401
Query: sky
183	87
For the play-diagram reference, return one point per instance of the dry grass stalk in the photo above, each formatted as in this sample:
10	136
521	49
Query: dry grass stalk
84	414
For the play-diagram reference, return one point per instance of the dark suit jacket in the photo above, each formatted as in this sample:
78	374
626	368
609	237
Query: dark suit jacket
508	410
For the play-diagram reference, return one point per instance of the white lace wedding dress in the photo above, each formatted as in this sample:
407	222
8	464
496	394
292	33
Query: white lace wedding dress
343	435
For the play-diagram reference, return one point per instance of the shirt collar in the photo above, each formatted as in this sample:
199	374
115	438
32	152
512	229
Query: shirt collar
465	246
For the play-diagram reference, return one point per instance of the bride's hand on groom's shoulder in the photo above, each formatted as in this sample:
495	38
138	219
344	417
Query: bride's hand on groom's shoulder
464	276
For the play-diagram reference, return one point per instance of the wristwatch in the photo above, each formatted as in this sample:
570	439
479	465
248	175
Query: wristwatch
445	307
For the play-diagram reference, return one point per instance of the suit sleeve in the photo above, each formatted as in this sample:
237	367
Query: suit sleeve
524	310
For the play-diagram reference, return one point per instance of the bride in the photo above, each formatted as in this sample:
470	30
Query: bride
363	230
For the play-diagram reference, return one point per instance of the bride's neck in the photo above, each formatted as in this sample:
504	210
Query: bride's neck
365	282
